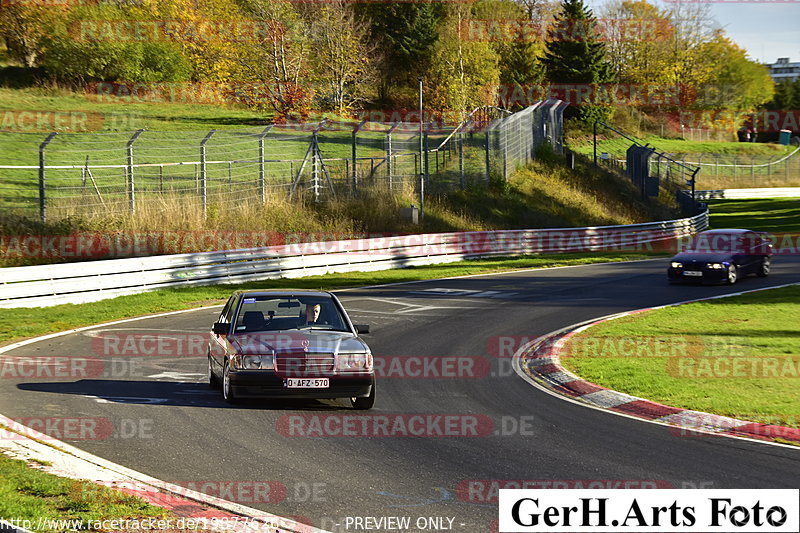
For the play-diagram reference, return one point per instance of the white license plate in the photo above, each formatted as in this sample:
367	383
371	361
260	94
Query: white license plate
692	273
306	383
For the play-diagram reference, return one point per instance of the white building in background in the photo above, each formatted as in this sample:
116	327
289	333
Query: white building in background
783	70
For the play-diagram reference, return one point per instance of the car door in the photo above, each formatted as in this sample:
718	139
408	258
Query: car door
750	257
218	345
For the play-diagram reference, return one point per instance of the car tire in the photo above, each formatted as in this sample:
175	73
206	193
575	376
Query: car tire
763	268
364	404
213	381
227	391
733	274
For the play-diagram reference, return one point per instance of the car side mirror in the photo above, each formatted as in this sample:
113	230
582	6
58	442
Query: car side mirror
220	328
362	329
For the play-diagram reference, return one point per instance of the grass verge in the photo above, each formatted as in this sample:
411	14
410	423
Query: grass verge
30	494
774	215
737	356
22	323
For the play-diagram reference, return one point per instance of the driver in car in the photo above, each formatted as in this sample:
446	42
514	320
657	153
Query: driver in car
312	314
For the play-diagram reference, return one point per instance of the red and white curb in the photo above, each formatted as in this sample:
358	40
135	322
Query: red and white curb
538	363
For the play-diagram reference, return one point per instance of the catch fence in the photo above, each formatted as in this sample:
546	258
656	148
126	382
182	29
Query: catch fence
58	174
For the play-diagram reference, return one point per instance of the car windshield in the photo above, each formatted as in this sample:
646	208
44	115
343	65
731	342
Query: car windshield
281	313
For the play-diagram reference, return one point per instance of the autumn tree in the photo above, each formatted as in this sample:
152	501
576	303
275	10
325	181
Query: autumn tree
27	28
272	70
463	73
517	44
735	82
639	38
343	58
211	55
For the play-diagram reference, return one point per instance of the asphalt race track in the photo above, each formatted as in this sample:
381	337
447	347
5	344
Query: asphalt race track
169	424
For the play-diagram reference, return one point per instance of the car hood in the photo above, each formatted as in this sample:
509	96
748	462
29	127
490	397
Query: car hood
702	257
294	341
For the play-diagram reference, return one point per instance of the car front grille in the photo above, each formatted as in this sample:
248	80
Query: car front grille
304	364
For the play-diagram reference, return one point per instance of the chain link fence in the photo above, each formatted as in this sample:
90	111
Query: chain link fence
61	174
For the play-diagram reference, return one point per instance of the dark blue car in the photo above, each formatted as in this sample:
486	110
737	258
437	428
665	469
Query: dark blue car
722	256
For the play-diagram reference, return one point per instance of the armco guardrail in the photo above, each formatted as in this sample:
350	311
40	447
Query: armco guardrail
746	194
45	285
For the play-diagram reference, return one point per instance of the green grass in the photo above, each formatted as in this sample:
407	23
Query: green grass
21	323
30	494
173	133
684	147
773	215
759	326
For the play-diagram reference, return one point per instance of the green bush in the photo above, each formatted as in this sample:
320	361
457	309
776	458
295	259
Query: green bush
72	56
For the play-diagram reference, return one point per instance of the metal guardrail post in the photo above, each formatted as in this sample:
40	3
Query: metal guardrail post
42	182
203	176
262	182
129	169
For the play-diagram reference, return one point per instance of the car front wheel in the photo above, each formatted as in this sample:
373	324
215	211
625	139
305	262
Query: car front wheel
363	404
227	390
733	274
763	269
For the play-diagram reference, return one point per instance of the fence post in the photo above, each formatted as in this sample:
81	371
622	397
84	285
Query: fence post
504	140
752	171
594	142
389	162
461	159
314	166
203	186
486	154
427	167
161	178
262	182
354	183
42	187
131	183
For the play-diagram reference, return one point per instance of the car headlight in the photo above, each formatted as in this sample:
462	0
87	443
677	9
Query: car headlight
354	362
676	264
716	266
254	362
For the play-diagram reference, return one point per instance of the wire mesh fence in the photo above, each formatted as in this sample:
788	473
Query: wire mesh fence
62	174
718	170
